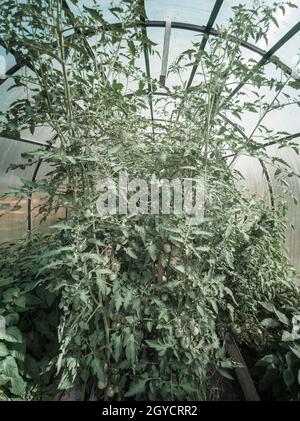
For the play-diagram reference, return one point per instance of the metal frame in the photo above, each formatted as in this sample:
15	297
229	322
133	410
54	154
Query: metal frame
207	31
165	55
34	177
269	55
8	136
266	55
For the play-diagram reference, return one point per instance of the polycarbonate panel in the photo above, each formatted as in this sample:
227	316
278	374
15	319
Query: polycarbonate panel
157	36
254	180
181	40
282	119
290	54
52	218
104	5
13	224
196	12
7	61
10	153
293	237
8	96
226	12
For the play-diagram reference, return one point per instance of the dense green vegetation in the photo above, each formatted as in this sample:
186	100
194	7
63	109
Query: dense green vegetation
137	306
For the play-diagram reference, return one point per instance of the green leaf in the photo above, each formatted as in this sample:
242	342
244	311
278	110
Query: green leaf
287	337
3	350
115	148
136	388
295	84
188	388
296	350
118	301
203	248
21	301
97	367
92	256
288	377
225	373
152	250
268	306
159	346
117	347
94	13
9	367
130	350
131	253
282	318
271	323
51	265
18	386
12	334
3	380
180	268
265	361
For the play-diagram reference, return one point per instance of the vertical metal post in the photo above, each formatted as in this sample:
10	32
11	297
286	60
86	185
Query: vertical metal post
165	56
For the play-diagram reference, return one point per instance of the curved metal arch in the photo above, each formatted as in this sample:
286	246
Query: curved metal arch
266	55
207	31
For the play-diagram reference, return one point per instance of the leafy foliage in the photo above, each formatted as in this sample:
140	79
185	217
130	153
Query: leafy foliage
30	338
136	306
279	370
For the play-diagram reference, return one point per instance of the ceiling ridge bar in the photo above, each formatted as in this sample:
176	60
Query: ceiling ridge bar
176	25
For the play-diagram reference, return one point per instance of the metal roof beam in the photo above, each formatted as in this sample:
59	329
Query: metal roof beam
269	55
207	31
9	136
195	28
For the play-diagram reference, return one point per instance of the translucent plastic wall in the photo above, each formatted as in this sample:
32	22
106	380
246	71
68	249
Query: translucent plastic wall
189	19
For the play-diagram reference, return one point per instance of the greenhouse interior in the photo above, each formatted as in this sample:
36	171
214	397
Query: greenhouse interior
149	187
